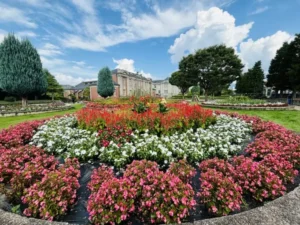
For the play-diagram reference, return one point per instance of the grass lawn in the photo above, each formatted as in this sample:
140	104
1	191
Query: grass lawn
11	120
288	119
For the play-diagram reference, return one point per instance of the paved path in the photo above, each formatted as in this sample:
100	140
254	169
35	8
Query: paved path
282	211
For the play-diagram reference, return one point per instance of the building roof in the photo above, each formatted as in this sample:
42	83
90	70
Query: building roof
85	84
130	74
67	87
161	81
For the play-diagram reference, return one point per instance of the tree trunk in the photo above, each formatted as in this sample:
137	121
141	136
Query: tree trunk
206	96
52	97
182	95
24	102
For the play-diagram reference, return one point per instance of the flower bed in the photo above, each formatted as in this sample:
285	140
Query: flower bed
166	171
8	110
264	106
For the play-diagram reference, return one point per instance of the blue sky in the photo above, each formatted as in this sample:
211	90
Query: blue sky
76	38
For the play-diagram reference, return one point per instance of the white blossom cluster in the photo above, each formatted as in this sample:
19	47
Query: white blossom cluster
60	136
223	139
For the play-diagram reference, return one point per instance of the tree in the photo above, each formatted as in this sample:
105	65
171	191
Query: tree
105	86
86	93
294	68
278	77
213	68
54	89
195	90
179	79
21	71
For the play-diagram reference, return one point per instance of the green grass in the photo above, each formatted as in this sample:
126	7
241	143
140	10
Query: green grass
12	120
288	119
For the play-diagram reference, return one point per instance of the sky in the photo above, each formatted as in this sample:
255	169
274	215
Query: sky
76	38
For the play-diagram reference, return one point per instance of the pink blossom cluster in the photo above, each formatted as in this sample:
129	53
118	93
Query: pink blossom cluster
99	176
23	166
221	194
156	196
55	193
183	170
20	134
220	165
257	179
113	202
283	168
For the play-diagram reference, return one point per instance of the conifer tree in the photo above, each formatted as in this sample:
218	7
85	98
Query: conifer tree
105	85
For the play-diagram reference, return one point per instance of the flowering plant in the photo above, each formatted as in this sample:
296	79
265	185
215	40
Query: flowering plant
22	167
113	202
183	170
55	193
99	176
220	193
257	179
19	135
162	108
118	134
61	137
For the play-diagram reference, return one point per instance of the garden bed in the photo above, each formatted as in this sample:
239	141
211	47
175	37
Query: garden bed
153	163
17	110
248	107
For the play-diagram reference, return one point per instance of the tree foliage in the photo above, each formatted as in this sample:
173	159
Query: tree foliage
180	80
54	89
252	82
86	93
213	68
21	71
284	71
105	86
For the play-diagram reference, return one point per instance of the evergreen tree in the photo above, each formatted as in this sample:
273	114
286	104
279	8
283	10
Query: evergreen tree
278	77
54	89
251	83
294	68
21	71
179	79
105	86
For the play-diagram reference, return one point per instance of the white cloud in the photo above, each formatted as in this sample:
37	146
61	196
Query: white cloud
26	34
49	50
68	80
128	65
66	72
259	10
213	26
160	22
11	14
263	49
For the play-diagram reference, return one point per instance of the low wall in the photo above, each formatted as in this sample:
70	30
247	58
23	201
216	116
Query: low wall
21	113
282	211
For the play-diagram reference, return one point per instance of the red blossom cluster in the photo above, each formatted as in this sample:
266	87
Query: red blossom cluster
52	196
118	134
19	135
180	117
23	166
156	196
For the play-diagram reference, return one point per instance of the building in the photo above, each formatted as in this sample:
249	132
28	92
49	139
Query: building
164	89
126	84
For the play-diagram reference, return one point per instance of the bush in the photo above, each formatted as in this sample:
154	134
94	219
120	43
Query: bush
10	99
22	167
113	202
19	135
183	170
219	193
257	179
55	193
99	176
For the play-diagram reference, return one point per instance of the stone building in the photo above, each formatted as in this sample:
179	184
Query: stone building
126	84
164	89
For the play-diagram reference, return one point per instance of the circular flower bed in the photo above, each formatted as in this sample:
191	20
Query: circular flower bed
260	106
169	164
